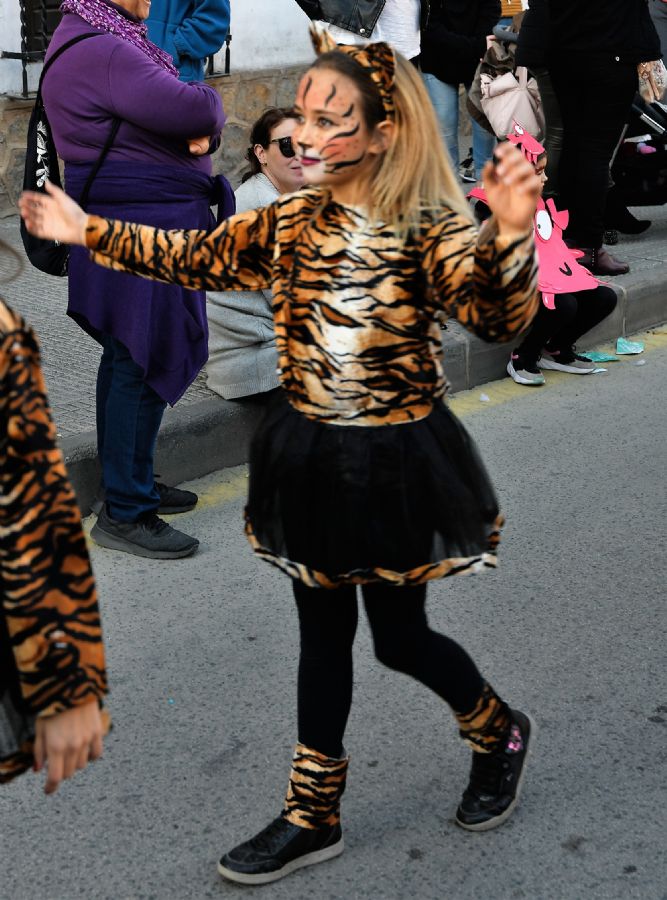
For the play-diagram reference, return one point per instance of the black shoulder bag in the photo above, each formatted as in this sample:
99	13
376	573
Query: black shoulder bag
41	162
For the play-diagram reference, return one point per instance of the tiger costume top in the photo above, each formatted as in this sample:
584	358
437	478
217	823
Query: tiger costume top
356	310
51	652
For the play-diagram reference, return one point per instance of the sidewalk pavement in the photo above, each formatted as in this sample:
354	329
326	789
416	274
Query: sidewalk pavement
202	432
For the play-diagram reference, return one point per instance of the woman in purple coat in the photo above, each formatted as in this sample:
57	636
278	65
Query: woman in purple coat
154	337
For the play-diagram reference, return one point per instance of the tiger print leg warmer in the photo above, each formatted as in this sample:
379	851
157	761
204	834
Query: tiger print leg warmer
486	727
315	787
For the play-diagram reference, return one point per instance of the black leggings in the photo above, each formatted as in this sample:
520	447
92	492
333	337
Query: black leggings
574	315
403	641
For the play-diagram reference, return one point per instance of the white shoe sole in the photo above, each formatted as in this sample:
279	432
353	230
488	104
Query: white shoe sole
309	859
499	820
562	367
511	371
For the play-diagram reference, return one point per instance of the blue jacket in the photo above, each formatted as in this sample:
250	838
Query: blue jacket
190	30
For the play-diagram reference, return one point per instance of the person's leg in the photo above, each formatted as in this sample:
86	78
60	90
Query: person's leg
591	307
498	736
308	829
553	142
328	624
445	100
593	111
483	145
127	520
132	417
547	323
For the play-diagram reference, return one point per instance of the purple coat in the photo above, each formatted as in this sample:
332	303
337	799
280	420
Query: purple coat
148	177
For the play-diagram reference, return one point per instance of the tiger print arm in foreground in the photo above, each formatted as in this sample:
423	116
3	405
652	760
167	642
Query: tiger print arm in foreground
486	281
237	256
48	596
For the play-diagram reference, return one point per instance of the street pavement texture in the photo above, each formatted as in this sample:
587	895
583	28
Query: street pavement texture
202	657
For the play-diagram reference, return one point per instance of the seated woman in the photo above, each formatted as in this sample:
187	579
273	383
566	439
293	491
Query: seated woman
242	359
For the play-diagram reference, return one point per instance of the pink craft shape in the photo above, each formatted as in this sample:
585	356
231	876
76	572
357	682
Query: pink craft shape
558	272
529	146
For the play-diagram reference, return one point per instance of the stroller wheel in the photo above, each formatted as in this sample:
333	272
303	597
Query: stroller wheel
610	237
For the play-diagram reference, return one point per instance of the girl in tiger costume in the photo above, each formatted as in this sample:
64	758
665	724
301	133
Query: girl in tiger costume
52	671
359	473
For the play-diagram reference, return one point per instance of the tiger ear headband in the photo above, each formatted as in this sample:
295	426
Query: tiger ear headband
376	59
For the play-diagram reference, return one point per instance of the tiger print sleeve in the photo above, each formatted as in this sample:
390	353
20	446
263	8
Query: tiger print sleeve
487	281
237	256
48	596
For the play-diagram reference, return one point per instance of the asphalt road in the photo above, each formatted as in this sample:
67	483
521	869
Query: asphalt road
202	658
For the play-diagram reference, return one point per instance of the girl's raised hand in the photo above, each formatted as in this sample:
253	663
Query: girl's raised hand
512	189
53	215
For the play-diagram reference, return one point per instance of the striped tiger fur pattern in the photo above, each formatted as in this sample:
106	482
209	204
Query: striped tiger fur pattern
49	600
356	309
315	787
486	727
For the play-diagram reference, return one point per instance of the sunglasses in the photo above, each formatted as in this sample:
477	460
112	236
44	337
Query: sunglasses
285	146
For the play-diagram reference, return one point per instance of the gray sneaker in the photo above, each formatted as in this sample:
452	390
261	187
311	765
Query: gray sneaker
566	361
151	537
523	371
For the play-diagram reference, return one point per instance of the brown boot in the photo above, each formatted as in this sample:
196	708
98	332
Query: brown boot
601	262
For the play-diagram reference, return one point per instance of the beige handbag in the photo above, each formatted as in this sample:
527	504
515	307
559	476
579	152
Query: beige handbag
512	97
652	80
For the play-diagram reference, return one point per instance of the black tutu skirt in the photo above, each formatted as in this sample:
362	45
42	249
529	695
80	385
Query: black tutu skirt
347	504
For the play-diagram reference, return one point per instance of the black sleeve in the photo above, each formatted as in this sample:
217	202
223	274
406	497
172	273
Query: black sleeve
311	8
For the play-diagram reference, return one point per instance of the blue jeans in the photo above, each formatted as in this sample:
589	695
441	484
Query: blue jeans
445	100
129	413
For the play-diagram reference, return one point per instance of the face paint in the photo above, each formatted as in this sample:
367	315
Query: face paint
331	137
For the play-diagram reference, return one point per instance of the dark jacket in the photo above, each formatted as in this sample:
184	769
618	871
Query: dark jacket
602	29
359	16
454	39
533	47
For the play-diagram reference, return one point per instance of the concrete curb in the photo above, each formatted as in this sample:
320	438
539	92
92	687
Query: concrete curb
213	434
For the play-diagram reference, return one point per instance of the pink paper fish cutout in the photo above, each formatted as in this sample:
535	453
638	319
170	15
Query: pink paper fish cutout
559	272
524	140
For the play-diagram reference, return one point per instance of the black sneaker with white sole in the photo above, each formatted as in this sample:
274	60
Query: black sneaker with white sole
279	849
566	361
150	536
496	779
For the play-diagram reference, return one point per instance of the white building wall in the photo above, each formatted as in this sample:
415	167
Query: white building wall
265	34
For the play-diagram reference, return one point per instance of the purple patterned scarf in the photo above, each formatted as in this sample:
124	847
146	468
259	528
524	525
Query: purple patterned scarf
105	16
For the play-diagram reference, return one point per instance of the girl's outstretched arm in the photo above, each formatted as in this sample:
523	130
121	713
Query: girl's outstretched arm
236	256
488	280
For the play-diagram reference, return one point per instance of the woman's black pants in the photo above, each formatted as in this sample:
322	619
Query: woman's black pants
574	315
594	96
403	641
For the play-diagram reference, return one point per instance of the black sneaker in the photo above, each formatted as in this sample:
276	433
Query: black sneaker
151	537
496	779
172	500
566	360
278	850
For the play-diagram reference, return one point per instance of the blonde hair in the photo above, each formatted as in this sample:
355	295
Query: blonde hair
414	175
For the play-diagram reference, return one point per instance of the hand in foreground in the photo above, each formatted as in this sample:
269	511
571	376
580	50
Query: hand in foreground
512	190
67	742
53	215
199	146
